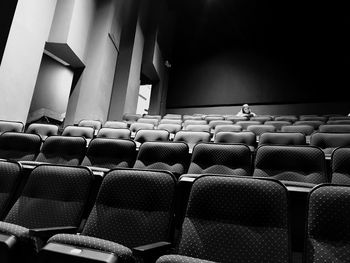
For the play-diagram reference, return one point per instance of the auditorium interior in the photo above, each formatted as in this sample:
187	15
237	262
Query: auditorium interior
123	136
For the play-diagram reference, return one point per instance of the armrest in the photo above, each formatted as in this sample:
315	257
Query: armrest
7	241
152	249
50	231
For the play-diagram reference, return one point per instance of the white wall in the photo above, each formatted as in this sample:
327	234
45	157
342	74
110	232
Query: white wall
22	56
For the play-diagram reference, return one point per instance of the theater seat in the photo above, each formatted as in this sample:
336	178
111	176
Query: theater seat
340	163
115	125
278	124
192	138
54	200
279	138
19	146
44	130
245	137
198	127
142	136
328	225
334	128
112	133
87	132
12	126
329	141
133	208
95	124
234	219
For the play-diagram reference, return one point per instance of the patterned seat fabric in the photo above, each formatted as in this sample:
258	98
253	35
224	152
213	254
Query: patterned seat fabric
246	124
134	127
314	124
290	118
277	138
234	159
341	166
334	128
246	137
328	225
115	125
291	163
278	124
133	208
181	259
227	128
62	150
198	127
86	132
305	129
171	128
10	176
258	130
339	122
44	130
110	153
169	156
112	133
329	141
215	123
95	124
53	196
234	218
19	146
11	126
151	135
262	119
192	137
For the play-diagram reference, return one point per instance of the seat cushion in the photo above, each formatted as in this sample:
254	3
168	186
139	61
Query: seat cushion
180	259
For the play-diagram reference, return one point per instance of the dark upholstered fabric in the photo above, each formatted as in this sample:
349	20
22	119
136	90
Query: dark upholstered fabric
341	165
151	136
10	176
314	124
170	156
113	133
328	226
291	163
312	118
339	122
329	141
11	126
305	129
180	259
44	130
334	128
19	146
246	124
230	218
191	137
110	153
133	208
134	127
262	119
290	118
86	132
62	150
234	159
227	128
285	138
246	137
278	124
258	130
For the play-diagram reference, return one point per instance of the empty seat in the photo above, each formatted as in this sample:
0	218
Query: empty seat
130	117
286	138
259	129
245	137
262	119
235	118
110	153
169	156
335	128
112	133
169	116
234	219
336	118
10	178
95	124
339	122
329	141
215	123
19	146
151	136
171	128
171	121
198	127
340	163
115	124
305	129
291	163
133	208
328	225
227	128
278	124
44	130
290	118
151	121
134	127
215	158
210	118
246	124
312	118
192	117
62	150
86	132
148	116
192	138
12	126
53	197
194	122
314	124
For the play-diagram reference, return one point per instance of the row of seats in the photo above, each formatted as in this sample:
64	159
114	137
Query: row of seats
302	163
64	214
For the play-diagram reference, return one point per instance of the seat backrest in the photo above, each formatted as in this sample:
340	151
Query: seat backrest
262	119
142	136
146	120
259	129
290	118
86	132
235	118
340	164
62	150
285	138
328	224
246	124
110	153
19	146
170	116
52	196
229	217
192	117
198	127
194	122
314	124
278	124
215	158
215	123
12	126
95	124
169	156
210	118
245	137
336	118
112	133
171	128
338	122
171	121
131	117
148	116
134	127
115	124
10	177
227	128
291	163
335	128
42	129
192	137
133	208
313	118
329	141
305	129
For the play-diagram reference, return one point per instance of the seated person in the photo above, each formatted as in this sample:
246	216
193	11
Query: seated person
245	112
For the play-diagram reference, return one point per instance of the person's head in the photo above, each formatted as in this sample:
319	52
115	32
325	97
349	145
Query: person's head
245	108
